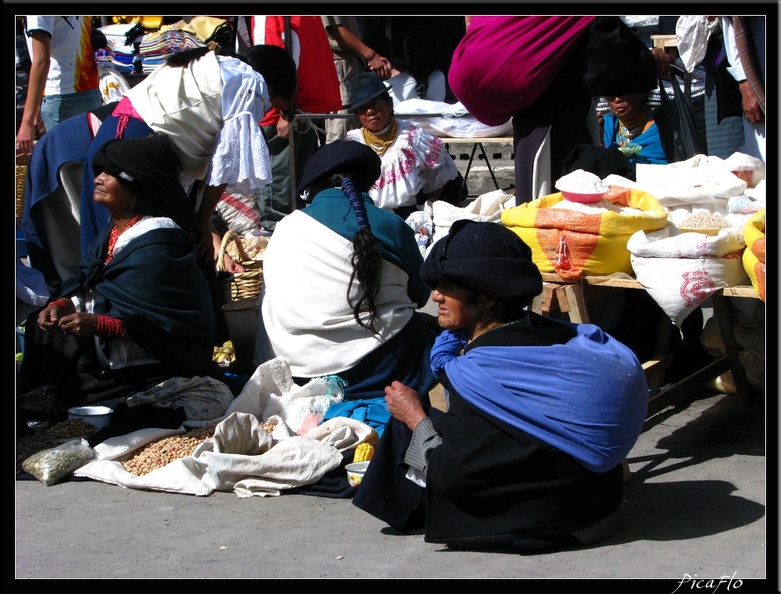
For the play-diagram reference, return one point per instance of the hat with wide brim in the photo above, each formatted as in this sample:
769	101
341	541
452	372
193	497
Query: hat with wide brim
348	157
365	87
484	257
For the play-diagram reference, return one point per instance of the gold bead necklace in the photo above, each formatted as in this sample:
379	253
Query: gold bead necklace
380	143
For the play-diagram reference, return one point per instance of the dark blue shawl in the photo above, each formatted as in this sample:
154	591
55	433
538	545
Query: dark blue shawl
154	285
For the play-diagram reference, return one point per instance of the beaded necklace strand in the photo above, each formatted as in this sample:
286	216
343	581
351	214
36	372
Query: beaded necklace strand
114	235
380	143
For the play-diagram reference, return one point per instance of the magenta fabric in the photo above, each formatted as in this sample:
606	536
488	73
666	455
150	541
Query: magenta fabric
504	63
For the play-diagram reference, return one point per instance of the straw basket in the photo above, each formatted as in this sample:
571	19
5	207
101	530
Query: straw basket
245	284
21	180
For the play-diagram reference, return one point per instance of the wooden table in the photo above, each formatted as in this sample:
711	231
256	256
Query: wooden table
569	297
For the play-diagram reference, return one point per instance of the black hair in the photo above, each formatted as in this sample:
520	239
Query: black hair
277	67
274	63
366	258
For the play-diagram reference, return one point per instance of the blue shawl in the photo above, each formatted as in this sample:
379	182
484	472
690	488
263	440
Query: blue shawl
649	143
588	397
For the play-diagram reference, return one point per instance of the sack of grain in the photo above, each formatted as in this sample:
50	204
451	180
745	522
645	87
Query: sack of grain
682	270
754	255
574	239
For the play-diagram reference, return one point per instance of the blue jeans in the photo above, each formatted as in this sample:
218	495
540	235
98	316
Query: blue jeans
57	108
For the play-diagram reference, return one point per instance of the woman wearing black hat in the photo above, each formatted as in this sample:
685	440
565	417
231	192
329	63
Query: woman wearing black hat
415	164
208	100
137	310
540	413
349	307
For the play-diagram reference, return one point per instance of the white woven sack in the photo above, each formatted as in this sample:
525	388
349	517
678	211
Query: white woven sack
682	270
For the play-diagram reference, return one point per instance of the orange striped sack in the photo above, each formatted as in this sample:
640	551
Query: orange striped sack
573	239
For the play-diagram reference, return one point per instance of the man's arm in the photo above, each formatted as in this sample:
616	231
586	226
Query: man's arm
39	70
350	42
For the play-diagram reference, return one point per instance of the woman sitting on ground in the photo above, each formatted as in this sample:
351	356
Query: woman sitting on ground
540	413
341	286
137	311
416	166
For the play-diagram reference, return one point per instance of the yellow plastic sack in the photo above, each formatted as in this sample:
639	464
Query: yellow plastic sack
573	243
754	254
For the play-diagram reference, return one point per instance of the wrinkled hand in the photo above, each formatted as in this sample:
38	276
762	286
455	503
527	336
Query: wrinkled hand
751	110
79	324
49	317
404	404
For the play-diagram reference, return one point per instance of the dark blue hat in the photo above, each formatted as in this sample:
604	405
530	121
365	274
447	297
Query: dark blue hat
348	157
485	257
365	87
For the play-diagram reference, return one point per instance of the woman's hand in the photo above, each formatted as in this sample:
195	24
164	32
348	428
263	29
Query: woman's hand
404	404
79	324
49	317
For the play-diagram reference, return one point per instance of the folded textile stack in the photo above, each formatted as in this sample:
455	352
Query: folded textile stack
120	38
155	48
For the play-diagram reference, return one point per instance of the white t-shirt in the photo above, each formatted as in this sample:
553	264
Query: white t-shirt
72	68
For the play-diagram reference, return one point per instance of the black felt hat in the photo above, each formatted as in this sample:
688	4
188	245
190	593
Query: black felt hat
150	168
618	62
348	157
487	257
365	87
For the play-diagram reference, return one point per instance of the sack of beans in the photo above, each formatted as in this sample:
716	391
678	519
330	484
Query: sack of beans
573	239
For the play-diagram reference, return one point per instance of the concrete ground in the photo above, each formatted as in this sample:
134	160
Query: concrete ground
695	505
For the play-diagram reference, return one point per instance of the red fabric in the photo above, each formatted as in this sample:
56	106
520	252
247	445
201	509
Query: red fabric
240	207
318	84
504	63
109	327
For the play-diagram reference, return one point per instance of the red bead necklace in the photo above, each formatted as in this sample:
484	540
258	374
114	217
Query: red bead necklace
114	235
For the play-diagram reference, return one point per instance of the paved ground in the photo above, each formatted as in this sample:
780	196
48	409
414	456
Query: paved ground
695	505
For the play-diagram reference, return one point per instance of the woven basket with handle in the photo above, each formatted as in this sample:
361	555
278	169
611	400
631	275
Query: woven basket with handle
21	178
245	284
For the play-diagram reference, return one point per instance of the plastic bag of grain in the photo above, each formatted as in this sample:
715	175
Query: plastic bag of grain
574	239
682	270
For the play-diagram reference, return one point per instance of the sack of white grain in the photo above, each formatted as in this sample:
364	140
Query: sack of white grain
754	255
574	239
682	270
